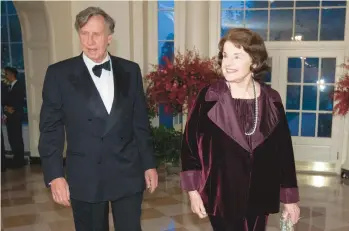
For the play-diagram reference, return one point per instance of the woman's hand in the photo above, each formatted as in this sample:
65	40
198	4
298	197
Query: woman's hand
197	206
292	212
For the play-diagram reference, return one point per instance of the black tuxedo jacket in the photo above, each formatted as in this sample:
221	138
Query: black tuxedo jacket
107	154
14	98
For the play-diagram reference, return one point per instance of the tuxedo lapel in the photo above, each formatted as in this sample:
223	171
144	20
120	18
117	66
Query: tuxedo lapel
84	85
121	86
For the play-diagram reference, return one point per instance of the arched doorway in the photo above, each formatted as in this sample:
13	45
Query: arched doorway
36	56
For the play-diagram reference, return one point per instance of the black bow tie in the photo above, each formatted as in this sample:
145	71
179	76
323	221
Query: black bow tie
97	70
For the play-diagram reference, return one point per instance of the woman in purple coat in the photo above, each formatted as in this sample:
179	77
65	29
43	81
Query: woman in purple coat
237	155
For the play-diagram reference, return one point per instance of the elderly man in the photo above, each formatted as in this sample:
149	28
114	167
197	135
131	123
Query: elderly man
98	101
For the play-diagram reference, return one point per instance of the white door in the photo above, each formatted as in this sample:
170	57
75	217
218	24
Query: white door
305	82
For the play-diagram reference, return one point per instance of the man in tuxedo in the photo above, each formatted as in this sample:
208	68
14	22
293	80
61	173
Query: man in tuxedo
98	101
13	115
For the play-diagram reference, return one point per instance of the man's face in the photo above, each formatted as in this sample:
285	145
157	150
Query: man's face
8	75
95	38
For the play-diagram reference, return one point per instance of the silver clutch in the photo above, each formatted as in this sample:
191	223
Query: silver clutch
286	224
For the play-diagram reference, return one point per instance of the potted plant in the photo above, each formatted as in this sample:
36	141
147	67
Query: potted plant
176	85
167	144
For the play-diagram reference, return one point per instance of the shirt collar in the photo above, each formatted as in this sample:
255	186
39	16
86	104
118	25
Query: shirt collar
90	63
13	83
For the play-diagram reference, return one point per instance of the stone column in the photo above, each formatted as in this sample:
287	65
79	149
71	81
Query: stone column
197	26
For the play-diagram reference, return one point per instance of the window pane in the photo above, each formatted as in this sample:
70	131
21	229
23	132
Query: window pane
293	97
11	8
334	3
231	19
307	24
281	23
332	24
301	3
309	97
267	77
232	4
5	55
281	3
166	49
4	35
17	55
3	8
311	70
328	70
15	29
165	25
294	71
293	122
166	5
326	102
257	20
308	124
256	4
325	125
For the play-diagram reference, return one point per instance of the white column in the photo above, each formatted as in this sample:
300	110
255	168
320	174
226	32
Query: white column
197	26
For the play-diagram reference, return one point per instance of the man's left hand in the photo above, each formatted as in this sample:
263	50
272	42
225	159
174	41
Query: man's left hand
151	179
10	110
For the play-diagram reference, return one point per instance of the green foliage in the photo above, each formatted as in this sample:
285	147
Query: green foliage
167	145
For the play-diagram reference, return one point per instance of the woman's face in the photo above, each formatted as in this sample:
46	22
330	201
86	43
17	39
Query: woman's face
236	63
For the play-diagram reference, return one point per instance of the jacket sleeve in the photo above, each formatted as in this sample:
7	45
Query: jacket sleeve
288	187
52	136
141	126
190	159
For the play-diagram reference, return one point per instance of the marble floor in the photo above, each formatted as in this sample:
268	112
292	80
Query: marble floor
26	205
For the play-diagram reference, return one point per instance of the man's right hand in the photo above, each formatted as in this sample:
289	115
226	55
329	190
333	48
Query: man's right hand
197	205
60	191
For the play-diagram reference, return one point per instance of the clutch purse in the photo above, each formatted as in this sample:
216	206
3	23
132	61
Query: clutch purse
286	224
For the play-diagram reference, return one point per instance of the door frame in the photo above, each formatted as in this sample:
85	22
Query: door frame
279	83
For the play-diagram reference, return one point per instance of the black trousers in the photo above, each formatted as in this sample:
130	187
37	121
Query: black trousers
95	216
249	223
15	138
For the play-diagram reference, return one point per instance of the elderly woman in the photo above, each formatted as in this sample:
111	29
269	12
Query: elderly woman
237	155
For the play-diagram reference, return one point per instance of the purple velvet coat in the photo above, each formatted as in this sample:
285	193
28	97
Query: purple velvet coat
232	177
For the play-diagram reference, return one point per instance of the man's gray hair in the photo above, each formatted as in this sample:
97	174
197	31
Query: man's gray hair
83	17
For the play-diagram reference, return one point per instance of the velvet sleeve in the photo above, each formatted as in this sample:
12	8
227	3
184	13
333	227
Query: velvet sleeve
190	160
288	187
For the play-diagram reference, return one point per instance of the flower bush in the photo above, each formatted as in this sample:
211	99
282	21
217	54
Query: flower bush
176	84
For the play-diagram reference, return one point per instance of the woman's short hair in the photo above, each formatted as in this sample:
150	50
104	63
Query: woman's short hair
253	44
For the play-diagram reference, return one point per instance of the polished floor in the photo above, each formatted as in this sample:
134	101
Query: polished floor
26	205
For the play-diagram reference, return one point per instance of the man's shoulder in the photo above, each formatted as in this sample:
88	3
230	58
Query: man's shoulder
127	64
66	63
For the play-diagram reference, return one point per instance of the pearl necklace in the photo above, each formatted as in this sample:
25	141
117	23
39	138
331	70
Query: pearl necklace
255	110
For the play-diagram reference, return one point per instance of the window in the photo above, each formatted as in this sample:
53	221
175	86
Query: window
310	83
11	43
279	20
165	47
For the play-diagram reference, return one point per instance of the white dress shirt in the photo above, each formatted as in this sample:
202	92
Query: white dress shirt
12	84
104	83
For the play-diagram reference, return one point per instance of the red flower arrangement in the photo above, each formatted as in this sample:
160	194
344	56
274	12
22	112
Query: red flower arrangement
341	94
176	85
